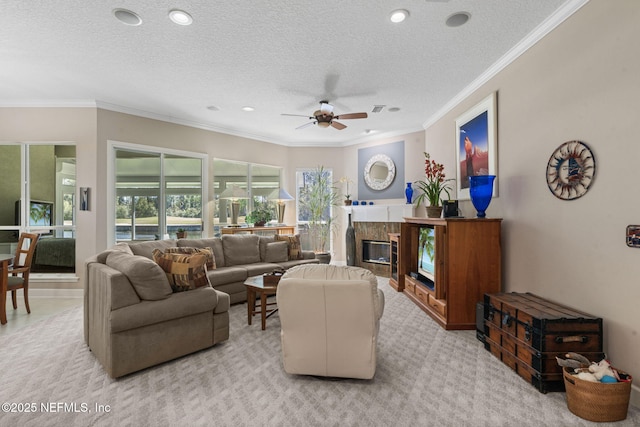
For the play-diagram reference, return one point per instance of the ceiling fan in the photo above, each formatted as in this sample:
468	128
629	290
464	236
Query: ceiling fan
324	117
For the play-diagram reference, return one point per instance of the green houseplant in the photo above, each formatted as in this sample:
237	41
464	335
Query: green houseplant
260	215
317	197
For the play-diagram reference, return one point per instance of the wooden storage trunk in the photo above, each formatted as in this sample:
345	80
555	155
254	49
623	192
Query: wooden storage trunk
527	332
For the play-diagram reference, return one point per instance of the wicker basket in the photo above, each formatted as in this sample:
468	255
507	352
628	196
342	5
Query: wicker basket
600	402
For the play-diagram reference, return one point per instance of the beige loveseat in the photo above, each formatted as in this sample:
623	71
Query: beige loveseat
329	319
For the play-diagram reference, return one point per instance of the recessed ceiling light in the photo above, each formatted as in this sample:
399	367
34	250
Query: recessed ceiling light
458	19
247	108
394	109
127	17
213	108
399	15
180	17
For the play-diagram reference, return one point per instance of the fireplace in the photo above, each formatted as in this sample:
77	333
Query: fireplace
375	251
372	245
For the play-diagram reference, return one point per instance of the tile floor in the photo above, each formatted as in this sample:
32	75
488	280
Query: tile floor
41	308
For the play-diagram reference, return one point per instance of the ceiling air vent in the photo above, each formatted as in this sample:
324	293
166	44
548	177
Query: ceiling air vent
378	108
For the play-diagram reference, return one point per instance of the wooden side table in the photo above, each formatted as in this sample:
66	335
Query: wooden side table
255	286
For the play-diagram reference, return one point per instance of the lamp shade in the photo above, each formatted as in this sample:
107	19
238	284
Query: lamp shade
280	194
234	193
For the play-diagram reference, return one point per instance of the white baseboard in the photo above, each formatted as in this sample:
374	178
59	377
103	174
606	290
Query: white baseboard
635	396
54	293
53	278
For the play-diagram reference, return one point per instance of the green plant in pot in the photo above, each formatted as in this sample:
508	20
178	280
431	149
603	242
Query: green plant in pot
433	186
260	215
317	198
181	233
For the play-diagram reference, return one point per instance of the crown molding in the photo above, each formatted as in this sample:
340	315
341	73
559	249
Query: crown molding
57	103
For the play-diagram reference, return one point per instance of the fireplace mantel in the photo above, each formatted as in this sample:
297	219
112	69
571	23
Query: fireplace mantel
379	213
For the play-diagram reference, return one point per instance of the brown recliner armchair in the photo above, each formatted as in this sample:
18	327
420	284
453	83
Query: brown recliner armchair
330	320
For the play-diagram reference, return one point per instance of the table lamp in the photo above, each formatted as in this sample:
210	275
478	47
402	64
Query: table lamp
234	193
280	196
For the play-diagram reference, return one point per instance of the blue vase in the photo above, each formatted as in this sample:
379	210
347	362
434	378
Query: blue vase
481	190
408	192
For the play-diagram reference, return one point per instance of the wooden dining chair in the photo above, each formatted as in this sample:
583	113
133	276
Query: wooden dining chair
19	271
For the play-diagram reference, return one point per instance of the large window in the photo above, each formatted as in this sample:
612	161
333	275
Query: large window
38	195
245	184
157	194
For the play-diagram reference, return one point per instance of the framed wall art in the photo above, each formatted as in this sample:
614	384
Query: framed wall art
476	148
85	197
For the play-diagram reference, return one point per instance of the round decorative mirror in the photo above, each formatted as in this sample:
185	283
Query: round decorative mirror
379	172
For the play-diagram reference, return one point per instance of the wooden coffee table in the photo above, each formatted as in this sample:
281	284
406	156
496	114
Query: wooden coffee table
255	286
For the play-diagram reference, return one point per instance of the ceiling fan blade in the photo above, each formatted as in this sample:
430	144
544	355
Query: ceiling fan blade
306	125
352	116
338	125
295	115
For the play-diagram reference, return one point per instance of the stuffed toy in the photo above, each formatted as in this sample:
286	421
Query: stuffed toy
589	371
601	369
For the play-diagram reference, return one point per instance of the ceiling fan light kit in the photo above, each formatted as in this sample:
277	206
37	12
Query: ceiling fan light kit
325	118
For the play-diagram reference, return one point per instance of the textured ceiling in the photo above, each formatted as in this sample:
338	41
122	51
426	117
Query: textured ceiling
277	56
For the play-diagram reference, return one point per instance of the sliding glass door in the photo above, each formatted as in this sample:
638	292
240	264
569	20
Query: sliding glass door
156	194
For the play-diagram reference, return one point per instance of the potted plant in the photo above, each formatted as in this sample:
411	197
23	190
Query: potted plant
260	215
347	196
433	186
181	233
316	198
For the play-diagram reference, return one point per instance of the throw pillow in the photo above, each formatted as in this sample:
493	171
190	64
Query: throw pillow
214	243
184	272
277	252
295	251
240	249
147	278
187	250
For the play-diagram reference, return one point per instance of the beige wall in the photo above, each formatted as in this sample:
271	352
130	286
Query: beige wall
580	82
344	162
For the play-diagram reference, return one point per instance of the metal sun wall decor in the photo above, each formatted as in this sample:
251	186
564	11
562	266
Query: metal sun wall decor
571	170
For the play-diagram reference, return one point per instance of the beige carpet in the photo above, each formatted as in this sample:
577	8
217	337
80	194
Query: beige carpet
426	376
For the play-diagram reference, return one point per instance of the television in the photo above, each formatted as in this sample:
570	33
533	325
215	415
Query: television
427	255
40	213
